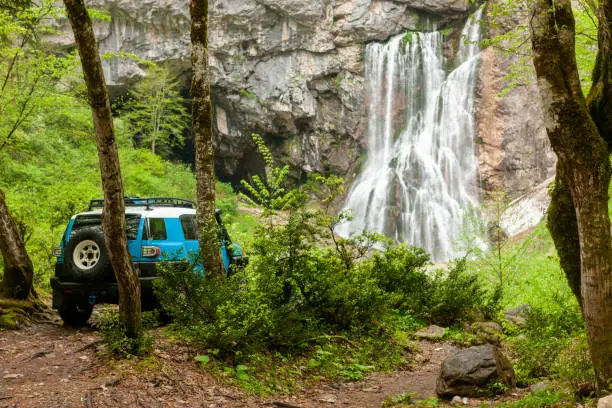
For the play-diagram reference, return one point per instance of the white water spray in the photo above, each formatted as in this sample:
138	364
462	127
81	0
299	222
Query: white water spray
420	178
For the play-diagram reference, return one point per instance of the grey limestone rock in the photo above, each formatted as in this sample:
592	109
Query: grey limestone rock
293	71
476	371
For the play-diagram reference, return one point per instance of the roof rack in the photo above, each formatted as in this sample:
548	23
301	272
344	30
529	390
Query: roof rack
147	202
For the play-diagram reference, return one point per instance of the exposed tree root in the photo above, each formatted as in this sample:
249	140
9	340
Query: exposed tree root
15	313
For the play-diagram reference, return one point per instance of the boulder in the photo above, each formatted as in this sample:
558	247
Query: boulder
487	332
518	315
432	332
538	387
475	372
605	402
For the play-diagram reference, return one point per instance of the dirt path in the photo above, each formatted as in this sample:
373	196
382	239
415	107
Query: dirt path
48	365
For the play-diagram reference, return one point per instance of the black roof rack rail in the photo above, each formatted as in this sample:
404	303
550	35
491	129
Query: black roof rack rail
147	202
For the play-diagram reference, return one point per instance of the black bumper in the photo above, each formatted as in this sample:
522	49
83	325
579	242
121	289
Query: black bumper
98	292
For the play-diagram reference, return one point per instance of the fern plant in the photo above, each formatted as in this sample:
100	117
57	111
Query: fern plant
271	193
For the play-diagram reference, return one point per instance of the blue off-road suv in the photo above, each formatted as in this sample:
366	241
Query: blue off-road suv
159	229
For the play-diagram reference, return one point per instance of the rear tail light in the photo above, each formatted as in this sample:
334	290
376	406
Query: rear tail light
150	251
57	252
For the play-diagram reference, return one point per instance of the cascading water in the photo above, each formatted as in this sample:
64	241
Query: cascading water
420	178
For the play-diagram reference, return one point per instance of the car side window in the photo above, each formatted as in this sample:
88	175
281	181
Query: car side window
132	222
156	229
190	226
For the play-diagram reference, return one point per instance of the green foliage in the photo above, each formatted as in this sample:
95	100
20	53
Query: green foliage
155	113
398	400
407	38
271	194
513	42
28	74
226	200
586	43
553	344
542	399
444	298
114	335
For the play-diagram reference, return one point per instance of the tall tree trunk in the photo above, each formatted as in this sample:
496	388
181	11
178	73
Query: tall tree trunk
203	135
563	227
113	219
584	162
18	269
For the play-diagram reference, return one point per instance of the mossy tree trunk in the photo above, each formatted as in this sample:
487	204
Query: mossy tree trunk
18	269
113	214
203	136
579	136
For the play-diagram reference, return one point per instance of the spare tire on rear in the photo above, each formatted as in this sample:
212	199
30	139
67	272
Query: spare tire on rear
86	256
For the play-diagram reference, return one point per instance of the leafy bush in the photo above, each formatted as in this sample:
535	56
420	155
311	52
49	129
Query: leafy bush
441	297
115	337
213	311
399	272
291	295
457	293
553	344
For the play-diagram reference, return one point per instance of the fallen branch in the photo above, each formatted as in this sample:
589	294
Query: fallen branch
89	400
88	345
285	405
39	354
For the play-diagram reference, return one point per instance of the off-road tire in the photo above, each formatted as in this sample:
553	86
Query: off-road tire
78	246
75	311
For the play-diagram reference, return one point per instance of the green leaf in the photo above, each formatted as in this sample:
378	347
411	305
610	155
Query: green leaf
203	360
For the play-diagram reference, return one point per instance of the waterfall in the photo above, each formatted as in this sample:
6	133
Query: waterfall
420	178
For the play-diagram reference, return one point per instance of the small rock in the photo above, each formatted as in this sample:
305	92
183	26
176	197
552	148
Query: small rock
12	376
538	387
112	382
457	400
329	398
605	402
518	315
374	388
431	333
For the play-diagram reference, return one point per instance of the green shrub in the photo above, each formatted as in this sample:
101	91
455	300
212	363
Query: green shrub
455	294
214	311
399	272
441	297
114	335
291	295
544	348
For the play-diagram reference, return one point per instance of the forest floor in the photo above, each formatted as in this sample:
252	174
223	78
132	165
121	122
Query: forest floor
48	365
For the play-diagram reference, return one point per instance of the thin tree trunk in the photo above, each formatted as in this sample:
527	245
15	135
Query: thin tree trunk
18	269
113	219
203	136
584	160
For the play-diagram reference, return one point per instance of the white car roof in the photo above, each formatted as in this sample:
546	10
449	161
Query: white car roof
152	212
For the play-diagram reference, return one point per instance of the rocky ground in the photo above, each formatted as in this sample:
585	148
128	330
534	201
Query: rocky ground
49	365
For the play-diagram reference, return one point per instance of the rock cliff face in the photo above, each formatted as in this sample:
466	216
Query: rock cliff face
293	71
513	148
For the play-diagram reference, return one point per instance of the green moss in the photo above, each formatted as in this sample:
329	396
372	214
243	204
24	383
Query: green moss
407	38
8	320
247	94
